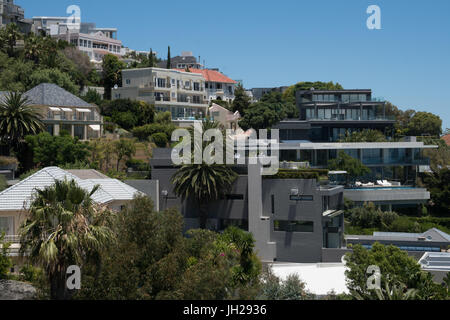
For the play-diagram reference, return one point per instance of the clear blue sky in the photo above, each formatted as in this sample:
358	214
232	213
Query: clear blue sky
275	43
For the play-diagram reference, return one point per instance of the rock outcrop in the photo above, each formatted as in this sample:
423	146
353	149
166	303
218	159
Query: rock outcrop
15	290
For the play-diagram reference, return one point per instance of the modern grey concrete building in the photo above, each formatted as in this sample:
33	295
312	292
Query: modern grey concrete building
326	115
292	220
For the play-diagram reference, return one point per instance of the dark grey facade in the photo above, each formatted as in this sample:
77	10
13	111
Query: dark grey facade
292	220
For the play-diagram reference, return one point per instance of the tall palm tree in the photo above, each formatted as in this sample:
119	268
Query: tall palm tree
10	36
33	47
203	183
64	227
17	120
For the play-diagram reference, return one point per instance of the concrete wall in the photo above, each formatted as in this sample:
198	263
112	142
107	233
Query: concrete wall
295	246
149	187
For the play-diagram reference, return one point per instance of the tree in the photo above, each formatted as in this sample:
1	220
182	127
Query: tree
241	100
128	113
17	119
203	183
273	288
396	267
169	61
9	36
425	123
366	135
5	260
160	139
289	93
151	59
59	150
154	260
124	149
112	74
55	76
437	182
262	115
354	167
64	228
92	96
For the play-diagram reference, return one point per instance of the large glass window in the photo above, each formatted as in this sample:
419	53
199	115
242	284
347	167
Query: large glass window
161	83
310	113
293	226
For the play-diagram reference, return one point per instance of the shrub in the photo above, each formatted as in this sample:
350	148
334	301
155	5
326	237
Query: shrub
368	216
146	131
160	139
29	273
138	165
3	183
5	260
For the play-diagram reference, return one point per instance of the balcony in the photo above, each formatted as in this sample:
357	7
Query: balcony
162	99
342	117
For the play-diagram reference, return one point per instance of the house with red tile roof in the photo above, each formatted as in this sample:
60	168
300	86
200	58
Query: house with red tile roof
446	138
218	86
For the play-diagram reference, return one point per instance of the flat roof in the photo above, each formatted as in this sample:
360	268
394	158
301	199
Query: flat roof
319	278
353	145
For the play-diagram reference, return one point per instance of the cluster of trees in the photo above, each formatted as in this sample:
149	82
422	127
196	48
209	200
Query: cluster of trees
369	216
401	276
143	254
138	253
42	59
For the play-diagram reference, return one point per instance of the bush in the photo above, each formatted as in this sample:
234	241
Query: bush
29	273
3	183
146	131
369	216
5	260
138	165
160	139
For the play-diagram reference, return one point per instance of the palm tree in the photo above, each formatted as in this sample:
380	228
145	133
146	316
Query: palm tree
203	183
64	227
10	35
33	47
17	120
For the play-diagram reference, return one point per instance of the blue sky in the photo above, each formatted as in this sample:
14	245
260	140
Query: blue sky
275	43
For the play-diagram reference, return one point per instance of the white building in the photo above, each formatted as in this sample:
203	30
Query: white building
218	86
95	42
181	93
16	200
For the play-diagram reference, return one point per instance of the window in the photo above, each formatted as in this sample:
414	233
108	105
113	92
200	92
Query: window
161	83
234	197
6	225
293	226
301	198
239	223
196	86
272	203
128	81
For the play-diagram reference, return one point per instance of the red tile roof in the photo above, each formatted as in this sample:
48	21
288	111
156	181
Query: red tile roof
211	75
446	138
